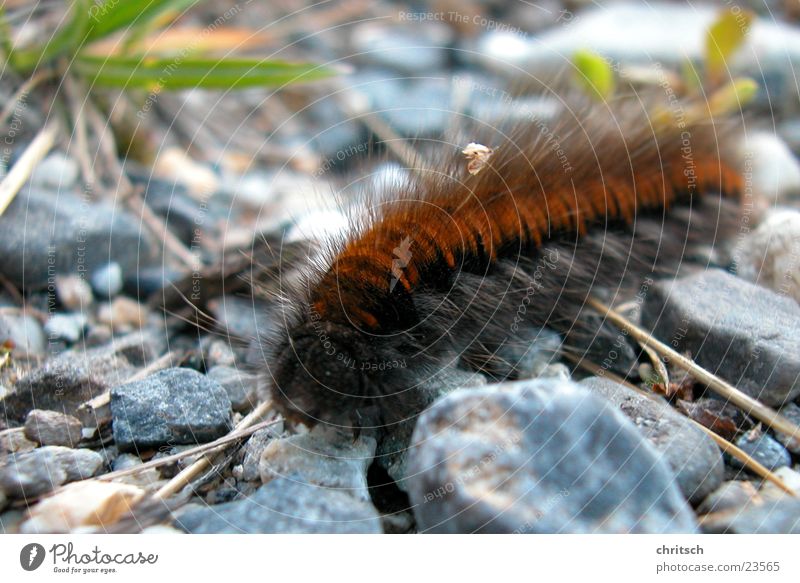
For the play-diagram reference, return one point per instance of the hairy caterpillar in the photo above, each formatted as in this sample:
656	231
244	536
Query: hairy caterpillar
456	264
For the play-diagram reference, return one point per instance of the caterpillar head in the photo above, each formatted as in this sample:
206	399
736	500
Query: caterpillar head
328	372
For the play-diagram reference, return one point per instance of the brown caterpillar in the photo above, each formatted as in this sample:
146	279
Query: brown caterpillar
453	266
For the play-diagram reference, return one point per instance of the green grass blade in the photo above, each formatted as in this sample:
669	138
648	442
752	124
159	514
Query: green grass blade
115	15
156	74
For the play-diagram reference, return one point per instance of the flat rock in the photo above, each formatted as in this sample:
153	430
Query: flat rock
540	457
744	333
766	516
693	456
283	506
323	458
729	496
175	406
248	470
53	428
47	233
37	472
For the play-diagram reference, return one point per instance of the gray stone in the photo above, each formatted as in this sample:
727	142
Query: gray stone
56	172
72	378
770	255
175	406
52	428
774	169
744	333
15	442
538	456
47	233
536	349
392	453
694	458
410	49
283	506
762	516
66	327
30	474
74	292
322	458
730	495
107	280
764	449
248	470
24	332
792	413
242	387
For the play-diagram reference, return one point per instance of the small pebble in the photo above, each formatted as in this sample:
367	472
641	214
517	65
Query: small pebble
792	413
323	458
57	171
248	470
37	472
24	333
123	314
788	476
74	292
107	280
764	449
15	442
730	495
66	327
241	386
53	428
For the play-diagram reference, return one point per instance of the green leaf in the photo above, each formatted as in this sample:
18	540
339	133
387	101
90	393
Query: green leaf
724	37
115	15
67	39
156	74
594	73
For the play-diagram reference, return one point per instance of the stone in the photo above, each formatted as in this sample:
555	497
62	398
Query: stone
789	477
248	470
756	349
242	387
770	255
410	49
767	516
764	449
774	169
66	327
88	503
792	413
30	474
74	377
53	428
322	458
694	458
74	292
174	406
15	442
24	333
392	452
729	496
107	280
80	237
123	314
538	457
283	506
56	172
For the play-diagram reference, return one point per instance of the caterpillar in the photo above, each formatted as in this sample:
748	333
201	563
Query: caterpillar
461	261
